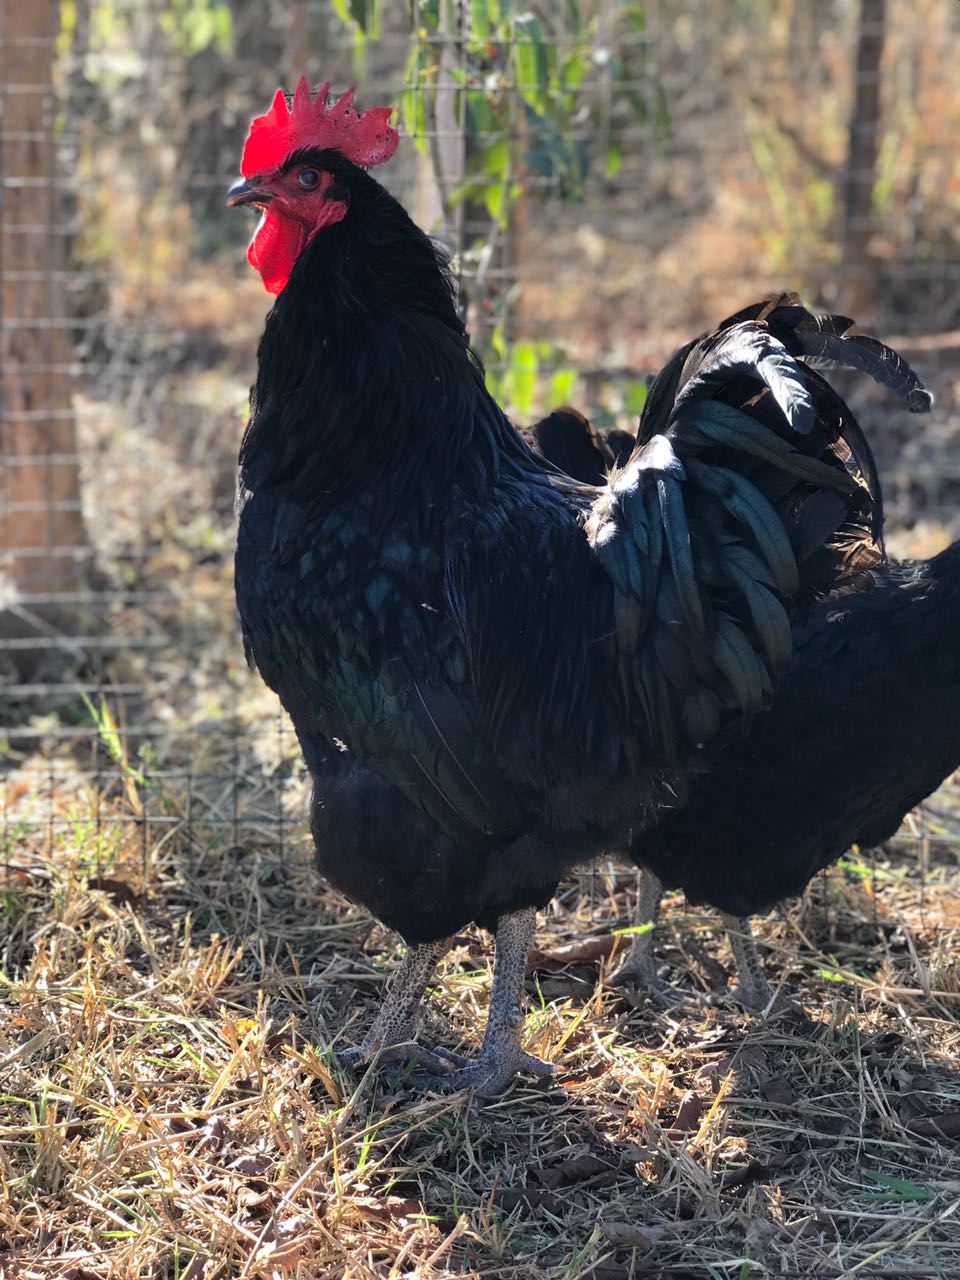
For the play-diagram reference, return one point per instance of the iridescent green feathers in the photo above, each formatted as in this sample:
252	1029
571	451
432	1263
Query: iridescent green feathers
752	491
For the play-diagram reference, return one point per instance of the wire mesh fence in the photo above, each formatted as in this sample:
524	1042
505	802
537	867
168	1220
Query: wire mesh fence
611	177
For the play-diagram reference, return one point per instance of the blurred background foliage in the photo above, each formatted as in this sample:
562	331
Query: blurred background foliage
608	172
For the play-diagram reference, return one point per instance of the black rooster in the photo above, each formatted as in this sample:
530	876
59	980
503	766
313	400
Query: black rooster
494	670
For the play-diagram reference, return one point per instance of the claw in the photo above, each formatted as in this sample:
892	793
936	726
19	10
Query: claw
443	1070
486	1077
457	1059
407	1053
637	973
755	998
536	1067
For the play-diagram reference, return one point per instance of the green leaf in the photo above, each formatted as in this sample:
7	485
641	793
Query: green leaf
897	1188
411	104
479	114
481	19
495	197
562	385
636	17
635	396
573	69
495	159
865	870
524	368
342	9
430	13
532	61
68	27
359	16
831	975
613	159
413	117
662	113
197	24
366	16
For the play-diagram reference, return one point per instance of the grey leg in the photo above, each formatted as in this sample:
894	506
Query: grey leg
638	966
405	989
500	1054
390	1037
752	990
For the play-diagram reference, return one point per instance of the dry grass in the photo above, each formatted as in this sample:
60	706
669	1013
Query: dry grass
171	1106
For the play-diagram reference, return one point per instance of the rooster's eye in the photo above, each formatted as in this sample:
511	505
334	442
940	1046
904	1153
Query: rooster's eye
309	178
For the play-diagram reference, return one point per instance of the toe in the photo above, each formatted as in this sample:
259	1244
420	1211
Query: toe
756	999
457	1059
401	1056
485	1077
646	980
535	1066
350	1058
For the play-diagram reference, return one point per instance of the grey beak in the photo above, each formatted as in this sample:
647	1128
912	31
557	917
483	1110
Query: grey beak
244	192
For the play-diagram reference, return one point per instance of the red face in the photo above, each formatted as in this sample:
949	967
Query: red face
296	204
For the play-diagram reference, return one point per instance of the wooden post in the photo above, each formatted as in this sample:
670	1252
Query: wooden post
861	169
42	535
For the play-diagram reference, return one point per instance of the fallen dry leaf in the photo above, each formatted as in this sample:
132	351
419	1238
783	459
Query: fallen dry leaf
216	1135
946	1125
117	890
583	951
250	1165
234	1029
752	1172
530	1198
627	1235
568	1172
389	1208
689	1113
593	1072
778	1089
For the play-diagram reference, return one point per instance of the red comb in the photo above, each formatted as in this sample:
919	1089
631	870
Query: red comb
365	139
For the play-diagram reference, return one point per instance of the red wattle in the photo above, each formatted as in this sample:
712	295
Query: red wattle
274	249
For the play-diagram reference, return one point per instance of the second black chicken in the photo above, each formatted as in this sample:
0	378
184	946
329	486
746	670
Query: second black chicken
865	724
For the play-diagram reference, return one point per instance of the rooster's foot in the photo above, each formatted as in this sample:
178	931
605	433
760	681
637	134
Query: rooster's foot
487	1075
638	968
752	989
756	997
641	973
401	1056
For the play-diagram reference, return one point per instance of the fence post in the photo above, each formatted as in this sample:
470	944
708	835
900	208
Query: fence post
44	541
862	153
